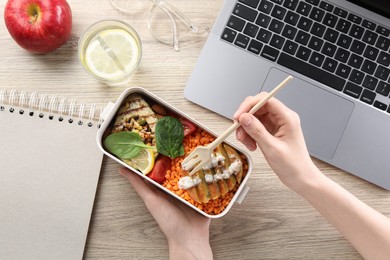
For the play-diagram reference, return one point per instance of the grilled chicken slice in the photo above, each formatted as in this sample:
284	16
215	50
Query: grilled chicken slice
202	188
136	115
213	185
224	167
234	158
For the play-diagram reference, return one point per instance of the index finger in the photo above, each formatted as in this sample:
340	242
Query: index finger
273	106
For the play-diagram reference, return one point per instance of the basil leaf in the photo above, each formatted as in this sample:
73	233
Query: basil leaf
169	136
125	145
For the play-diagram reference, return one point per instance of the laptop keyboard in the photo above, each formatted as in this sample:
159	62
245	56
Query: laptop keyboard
324	42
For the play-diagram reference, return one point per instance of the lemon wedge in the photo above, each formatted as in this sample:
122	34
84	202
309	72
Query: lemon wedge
144	161
112	54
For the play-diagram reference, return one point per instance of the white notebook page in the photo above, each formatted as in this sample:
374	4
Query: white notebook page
49	172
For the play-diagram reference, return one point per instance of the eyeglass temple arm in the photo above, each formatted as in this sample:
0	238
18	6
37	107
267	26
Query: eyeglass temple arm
178	14
174	28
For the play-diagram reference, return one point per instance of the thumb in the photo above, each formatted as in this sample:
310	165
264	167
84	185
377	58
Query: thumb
255	129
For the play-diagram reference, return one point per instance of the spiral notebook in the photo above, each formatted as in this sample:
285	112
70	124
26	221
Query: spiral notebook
49	170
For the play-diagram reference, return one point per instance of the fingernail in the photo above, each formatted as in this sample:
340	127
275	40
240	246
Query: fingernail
235	116
240	134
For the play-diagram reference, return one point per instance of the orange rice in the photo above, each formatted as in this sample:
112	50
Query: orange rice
190	142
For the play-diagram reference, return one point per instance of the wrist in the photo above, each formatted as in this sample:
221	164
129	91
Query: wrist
308	179
192	249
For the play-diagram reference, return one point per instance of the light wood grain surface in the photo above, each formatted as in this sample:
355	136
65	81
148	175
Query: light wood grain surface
271	223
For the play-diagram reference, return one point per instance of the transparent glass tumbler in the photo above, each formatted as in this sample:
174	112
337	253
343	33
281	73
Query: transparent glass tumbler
110	51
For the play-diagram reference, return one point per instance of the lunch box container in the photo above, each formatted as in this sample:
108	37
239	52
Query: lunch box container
109	115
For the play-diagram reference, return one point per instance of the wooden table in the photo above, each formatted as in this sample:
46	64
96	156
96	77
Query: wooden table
271	223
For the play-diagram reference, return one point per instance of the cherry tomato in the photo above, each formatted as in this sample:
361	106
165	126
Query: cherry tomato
161	166
188	126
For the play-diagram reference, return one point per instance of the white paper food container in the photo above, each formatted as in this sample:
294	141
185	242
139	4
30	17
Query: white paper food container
109	114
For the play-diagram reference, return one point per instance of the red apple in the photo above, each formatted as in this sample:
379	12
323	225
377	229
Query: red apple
39	26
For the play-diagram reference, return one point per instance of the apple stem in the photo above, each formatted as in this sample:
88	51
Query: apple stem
34	13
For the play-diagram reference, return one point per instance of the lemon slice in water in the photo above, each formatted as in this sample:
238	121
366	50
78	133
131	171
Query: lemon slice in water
144	161
112	54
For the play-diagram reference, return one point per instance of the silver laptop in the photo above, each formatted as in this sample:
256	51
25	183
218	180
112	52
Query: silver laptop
338	53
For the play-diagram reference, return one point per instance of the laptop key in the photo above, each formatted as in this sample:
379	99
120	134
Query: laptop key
340	12
356	31
368	96
311	71
356	76
343	26
382	72
276	26
382	30
290	47
383	88
342	55
371	53
289	31
368	24
277	41
313	2
236	23
279	2
263	20
330	64
317	14
242	41
251	29
291	18
270	53
369	67
304	8
245	12
370	82
384	58
344	41
279	12
265	7
370	37
303	53
255	46
318	29
353	90
326	6
354	18
355	61
331	35
264	35
317	59
290	4
330	20
252	3
380	105
228	35
357	47
315	43
305	24
383	43
302	37
343	70
329	49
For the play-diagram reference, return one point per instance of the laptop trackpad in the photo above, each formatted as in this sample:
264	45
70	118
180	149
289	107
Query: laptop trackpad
323	114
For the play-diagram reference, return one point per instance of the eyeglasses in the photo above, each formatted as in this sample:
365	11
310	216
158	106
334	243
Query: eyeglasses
162	19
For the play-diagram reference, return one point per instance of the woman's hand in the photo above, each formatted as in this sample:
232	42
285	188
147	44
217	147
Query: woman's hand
186	230
277	131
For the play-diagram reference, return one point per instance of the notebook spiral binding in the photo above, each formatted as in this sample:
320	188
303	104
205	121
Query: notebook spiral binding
52	107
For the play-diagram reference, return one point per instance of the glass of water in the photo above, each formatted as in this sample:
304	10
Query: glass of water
110	51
